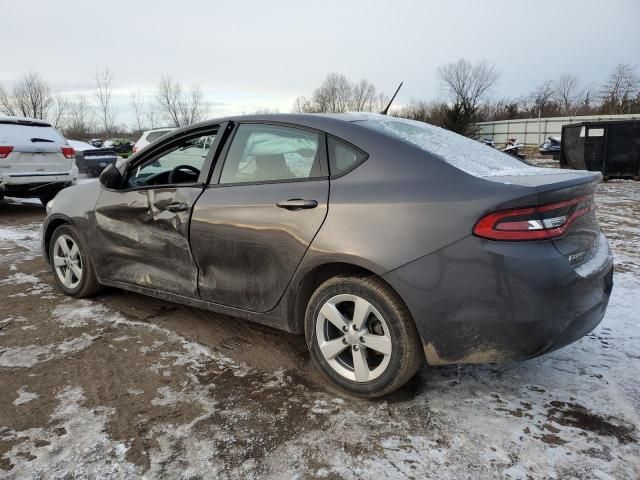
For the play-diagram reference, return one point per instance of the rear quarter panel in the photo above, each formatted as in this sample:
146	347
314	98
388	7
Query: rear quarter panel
403	203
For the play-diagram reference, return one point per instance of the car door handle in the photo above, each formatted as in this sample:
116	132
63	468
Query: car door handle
297	204
176	207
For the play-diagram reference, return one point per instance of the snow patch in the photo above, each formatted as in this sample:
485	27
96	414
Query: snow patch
24	396
75	444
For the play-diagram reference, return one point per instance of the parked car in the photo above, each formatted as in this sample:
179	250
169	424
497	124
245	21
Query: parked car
149	136
90	159
96	142
384	241
121	146
488	142
550	147
35	160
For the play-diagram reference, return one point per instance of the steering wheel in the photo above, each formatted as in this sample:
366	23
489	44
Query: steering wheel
175	170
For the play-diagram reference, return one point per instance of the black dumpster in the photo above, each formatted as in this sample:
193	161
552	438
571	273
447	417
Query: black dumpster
611	147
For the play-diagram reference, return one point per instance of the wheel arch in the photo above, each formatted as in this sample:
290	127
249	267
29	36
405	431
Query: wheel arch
51	226
320	274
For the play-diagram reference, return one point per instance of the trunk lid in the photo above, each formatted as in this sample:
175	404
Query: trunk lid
36	159
570	195
36	149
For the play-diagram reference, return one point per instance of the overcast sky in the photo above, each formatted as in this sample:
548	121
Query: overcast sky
249	55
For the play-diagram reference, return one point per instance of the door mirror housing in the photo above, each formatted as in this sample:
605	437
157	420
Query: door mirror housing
110	177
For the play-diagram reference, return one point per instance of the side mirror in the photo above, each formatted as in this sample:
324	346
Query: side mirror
110	177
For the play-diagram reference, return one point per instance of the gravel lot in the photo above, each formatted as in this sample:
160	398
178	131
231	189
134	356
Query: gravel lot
122	386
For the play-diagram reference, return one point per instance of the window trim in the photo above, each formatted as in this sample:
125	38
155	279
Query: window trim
168	144
222	159
365	157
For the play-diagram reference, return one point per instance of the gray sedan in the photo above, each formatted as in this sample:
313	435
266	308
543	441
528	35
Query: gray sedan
384	241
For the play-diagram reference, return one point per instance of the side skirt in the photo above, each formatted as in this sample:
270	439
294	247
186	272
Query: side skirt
275	318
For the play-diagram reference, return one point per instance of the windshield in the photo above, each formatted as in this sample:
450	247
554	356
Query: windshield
468	155
11	133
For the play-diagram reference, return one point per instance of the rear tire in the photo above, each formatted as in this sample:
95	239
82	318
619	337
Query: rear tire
71	265
361	336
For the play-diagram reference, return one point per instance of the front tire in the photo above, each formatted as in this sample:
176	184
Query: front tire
361	336
71	265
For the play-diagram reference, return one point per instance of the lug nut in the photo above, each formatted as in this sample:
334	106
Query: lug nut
345	329
356	348
344	340
361	339
354	326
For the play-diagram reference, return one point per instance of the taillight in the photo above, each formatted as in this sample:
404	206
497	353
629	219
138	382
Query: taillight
534	223
68	152
5	150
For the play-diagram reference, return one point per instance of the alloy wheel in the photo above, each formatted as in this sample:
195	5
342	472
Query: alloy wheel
67	261
353	338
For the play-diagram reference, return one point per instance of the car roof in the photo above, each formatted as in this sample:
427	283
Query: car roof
334	123
159	129
24	121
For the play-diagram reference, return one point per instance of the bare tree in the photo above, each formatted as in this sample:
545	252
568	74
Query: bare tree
7	106
333	95
567	91
137	103
302	105
545	100
58	111
30	96
363	95
104	81
180	107
428	112
80	118
336	94
621	88
151	114
466	83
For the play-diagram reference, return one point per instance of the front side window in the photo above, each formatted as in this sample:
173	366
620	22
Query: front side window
262	153
181	164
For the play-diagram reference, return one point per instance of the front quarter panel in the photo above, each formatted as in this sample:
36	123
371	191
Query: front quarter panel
75	206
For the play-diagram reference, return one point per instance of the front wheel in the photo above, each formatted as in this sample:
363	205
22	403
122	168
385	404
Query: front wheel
361	336
71	265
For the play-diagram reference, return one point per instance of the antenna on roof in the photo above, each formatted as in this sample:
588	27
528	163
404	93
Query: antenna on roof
384	112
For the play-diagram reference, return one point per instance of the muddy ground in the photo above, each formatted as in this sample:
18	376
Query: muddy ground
124	386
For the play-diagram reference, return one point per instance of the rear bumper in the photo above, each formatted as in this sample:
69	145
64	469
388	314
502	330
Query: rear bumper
479	301
34	185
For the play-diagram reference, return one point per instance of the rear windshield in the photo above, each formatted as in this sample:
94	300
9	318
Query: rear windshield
155	135
12	134
468	155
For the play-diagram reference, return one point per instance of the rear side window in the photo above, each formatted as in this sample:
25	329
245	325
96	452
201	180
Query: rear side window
262	153
343	157
155	135
11	133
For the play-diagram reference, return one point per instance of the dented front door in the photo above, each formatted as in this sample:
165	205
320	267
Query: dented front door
141	237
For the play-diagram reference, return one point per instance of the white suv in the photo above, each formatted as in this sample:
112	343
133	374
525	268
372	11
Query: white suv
149	136
35	160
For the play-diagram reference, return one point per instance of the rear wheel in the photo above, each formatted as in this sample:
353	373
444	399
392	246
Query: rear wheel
361	336
71	265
